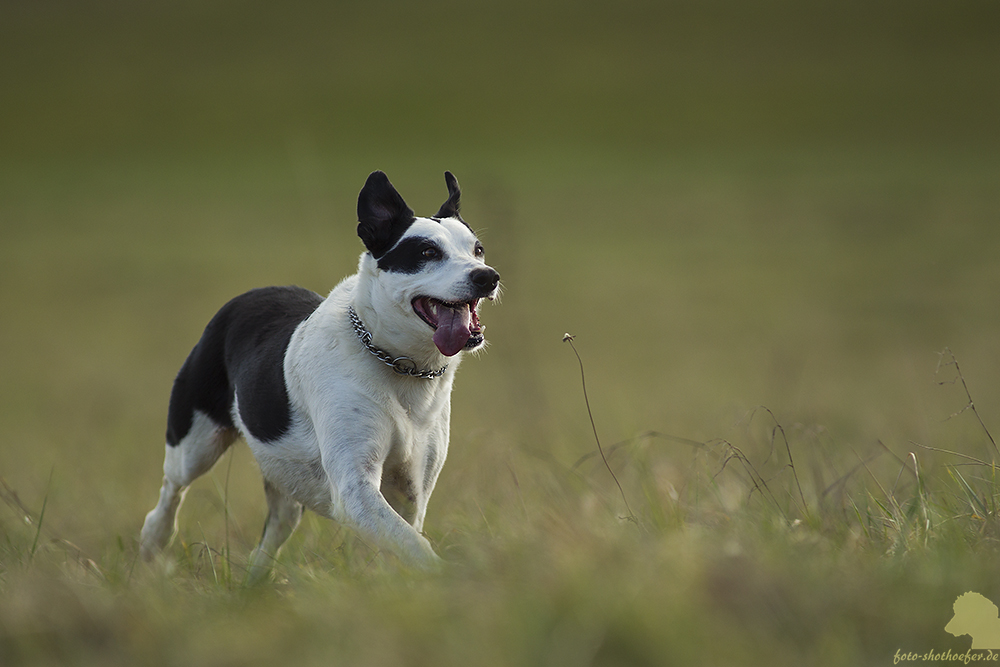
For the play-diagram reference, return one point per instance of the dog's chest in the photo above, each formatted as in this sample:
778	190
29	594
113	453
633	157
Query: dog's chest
418	419
406	438
417	450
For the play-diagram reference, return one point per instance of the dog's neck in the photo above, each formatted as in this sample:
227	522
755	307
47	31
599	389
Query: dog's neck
401	364
381	316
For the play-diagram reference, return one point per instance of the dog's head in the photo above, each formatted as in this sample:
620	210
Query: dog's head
430	271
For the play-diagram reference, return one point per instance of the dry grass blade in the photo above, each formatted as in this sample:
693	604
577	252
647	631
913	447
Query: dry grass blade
788	450
41	518
758	481
645	435
948	451
841	481
568	338
971	405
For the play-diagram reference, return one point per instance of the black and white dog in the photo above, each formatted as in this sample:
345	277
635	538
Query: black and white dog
344	401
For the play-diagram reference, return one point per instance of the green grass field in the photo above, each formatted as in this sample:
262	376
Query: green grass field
768	226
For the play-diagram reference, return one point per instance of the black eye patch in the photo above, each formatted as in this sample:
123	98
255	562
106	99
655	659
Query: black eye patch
410	255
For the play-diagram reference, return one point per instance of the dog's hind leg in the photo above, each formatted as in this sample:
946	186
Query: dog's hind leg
283	516
184	462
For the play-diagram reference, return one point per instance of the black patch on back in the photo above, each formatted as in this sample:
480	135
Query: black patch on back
242	350
408	255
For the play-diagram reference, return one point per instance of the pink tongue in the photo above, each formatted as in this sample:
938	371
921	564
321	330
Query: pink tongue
453	329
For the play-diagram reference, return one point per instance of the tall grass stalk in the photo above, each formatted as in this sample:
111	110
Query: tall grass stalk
41	518
568	338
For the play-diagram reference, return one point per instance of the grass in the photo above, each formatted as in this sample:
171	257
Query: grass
836	525
767	226
834	563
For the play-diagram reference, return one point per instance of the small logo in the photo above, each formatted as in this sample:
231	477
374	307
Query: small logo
978	617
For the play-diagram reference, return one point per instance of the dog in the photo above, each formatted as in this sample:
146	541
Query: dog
345	401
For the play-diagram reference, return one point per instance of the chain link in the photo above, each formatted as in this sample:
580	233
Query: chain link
401	365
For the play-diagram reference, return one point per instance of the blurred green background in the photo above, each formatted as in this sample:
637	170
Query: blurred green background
787	204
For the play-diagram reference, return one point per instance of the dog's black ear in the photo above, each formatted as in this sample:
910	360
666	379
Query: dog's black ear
449	209
383	216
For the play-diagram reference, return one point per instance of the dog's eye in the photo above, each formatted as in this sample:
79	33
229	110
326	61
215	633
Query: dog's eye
479	251
430	252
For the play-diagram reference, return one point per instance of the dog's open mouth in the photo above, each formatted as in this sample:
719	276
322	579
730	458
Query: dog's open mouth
456	325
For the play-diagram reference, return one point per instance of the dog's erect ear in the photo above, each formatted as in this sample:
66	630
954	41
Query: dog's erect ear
449	209
383	216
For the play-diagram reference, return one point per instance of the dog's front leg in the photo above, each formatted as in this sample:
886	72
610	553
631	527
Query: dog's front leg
353	458
353	454
366	510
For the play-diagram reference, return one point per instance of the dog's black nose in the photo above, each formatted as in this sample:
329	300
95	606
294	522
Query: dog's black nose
485	279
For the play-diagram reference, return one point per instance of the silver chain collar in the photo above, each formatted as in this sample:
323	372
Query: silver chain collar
402	365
